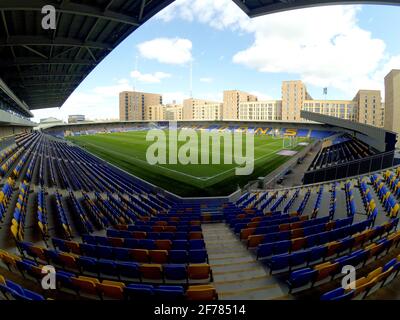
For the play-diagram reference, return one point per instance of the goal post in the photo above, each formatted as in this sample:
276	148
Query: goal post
289	142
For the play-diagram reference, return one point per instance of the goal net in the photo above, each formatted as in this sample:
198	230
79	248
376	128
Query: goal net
290	142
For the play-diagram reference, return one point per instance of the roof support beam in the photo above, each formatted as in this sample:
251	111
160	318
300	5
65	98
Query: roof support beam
29	61
35	51
44	41
70	8
45	84
41	75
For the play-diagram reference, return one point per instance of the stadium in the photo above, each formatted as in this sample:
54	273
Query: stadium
80	202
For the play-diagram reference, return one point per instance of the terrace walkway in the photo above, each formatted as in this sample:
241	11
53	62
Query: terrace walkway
237	274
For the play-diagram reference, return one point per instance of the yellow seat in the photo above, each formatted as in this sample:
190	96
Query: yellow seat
201	292
86	284
201	271
112	289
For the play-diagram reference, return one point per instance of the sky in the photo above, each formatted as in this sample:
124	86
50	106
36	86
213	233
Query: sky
343	48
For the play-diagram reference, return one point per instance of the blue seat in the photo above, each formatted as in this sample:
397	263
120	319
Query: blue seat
88	264
87	238
138	291
338	294
282	246
299	257
284	235
317	253
196	244
147	244
178	256
312	240
129	270
271	237
198	256
301	277
166	236
52	255
169	293
153	235
278	262
32	296
114	233
89	250
108	267
346	243
323	237
122	254
179	245
265	250
103	241
14	287
64	279
180	235
175	271
131	243
104	252
389	264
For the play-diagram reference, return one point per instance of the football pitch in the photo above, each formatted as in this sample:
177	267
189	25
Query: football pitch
127	150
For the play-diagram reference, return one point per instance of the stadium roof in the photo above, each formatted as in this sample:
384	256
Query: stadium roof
43	67
256	8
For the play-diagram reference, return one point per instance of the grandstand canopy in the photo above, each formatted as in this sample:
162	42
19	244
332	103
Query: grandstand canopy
256	8
379	138
43	67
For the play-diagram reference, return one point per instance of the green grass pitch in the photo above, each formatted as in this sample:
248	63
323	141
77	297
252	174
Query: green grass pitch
127	150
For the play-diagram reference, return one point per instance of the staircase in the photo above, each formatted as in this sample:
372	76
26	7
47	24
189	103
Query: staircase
237	274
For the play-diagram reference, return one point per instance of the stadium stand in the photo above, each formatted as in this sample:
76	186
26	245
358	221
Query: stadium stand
343	149
111	238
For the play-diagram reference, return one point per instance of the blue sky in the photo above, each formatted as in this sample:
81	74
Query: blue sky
344	48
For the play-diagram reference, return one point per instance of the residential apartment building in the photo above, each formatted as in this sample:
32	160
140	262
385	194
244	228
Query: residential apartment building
132	104
173	112
193	108
232	100
294	94
392	102
261	110
370	109
344	109
208	111
155	113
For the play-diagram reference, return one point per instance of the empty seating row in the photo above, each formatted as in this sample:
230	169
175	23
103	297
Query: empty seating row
307	275
267	248
147	272
162	234
365	285
93	287
13	291
177	251
292	230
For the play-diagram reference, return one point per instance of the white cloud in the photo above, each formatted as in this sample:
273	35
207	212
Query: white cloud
149	77
167	50
206	80
98	103
324	46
